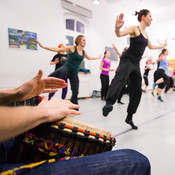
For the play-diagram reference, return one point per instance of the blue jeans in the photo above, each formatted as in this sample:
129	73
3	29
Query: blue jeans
119	162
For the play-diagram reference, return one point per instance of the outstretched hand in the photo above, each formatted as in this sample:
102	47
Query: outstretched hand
165	43
113	46
39	85
100	56
39	44
119	21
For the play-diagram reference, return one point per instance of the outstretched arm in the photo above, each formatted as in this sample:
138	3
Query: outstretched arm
150	46
91	58
31	88
55	49
16	120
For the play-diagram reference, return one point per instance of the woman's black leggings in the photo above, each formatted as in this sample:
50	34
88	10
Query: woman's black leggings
127	71
64	72
104	85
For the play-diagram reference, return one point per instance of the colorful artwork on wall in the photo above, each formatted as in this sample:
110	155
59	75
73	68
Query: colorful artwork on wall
22	39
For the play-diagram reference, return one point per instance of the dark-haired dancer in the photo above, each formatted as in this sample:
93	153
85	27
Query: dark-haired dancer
129	64
145	74
160	77
124	87
70	69
59	60
104	75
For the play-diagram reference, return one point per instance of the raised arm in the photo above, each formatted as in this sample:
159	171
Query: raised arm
116	50
16	120
31	88
119	23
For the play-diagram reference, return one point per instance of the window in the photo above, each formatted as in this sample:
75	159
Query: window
70	24
74	27
69	40
79	27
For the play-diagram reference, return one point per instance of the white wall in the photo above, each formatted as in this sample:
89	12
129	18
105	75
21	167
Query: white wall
46	18
42	17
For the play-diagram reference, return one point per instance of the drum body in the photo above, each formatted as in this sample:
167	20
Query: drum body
61	140
66	138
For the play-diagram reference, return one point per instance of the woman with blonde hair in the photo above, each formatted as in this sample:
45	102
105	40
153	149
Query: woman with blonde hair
70	69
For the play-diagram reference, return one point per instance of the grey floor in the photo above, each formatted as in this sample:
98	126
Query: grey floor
155	136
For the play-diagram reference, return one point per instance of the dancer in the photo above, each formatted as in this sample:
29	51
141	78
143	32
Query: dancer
59	60
129	64
160	77
169	84
145	74
70	69
124	87
104	76
158	63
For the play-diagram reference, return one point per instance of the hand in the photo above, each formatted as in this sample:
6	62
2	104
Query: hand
39	85
113	46
58	108
119	22
39	44
165	43
57	60
99	57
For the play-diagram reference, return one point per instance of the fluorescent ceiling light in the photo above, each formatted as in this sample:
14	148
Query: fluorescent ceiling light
96	2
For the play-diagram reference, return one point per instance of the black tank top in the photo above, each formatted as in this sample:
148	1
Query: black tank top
136	48
146	72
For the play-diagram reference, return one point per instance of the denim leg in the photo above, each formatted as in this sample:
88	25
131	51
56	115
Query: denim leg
119	162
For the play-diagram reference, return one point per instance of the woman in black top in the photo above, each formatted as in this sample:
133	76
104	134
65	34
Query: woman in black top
145	74
59	60
129	64
125	86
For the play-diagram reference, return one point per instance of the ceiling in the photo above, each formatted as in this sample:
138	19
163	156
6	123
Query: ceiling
157	3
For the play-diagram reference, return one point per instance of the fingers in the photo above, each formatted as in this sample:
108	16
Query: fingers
52	82
39	75
50	90
37	42
121	16
73	106
55	85
74	112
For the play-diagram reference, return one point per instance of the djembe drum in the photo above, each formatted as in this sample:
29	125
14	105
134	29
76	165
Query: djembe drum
66	138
